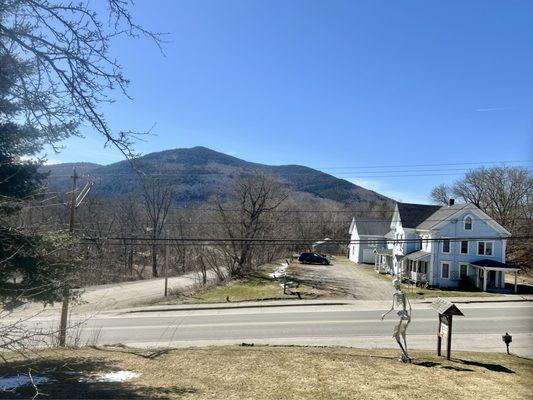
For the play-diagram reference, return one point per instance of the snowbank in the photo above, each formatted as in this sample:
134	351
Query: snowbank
279	272
13	382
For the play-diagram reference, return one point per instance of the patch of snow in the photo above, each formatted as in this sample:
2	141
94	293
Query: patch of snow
279	272
13	382
118	376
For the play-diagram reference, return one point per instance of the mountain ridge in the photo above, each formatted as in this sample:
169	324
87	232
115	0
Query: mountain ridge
198	173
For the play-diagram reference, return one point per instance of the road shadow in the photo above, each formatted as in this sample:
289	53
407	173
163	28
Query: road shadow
70	378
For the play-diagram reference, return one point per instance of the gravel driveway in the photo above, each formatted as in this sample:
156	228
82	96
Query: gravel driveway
96	299
344	278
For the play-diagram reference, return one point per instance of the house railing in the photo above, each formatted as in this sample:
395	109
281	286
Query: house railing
418	276
382	267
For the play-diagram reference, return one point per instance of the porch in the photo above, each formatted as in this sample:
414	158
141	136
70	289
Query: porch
490	274
415	267
383	260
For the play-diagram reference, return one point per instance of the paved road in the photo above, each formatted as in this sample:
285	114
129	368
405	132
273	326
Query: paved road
345	325
346	279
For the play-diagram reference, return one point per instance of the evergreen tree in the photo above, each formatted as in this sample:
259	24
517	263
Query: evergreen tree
32	267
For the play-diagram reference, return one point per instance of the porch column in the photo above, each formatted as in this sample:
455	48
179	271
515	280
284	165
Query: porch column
515	281
485	273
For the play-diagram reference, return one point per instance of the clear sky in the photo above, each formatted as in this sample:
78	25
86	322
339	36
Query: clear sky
339	86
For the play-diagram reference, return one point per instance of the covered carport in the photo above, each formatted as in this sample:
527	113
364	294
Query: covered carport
490	274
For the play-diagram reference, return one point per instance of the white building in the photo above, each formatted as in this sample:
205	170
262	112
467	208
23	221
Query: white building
443	246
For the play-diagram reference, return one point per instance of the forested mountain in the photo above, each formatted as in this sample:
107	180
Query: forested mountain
200	173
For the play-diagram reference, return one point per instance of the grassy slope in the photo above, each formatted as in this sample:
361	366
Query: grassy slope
257	287
261	287
279	373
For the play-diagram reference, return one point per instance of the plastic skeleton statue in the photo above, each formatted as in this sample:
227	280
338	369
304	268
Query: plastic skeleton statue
400	302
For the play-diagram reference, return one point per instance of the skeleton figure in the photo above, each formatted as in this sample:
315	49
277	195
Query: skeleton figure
401	302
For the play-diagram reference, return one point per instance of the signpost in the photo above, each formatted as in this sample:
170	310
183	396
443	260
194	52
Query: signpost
446	310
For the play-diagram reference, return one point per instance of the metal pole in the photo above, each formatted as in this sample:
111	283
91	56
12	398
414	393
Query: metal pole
65	304
166	265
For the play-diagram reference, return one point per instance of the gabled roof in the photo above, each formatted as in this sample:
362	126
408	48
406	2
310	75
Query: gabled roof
446	307
443	213
447	213
413	215
372	228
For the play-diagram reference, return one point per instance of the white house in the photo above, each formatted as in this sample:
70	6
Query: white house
443	246
365	237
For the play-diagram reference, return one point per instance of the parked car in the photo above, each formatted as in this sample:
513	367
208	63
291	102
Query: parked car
313	258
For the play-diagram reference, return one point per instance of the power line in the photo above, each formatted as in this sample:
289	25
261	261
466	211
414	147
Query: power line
149	240
432	165
354	174
292	222
363	166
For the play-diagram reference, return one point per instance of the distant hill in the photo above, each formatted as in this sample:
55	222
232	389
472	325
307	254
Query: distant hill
199	173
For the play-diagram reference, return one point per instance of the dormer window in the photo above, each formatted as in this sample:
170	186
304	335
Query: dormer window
468	223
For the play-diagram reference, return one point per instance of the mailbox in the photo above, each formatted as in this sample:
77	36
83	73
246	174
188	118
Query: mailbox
446	310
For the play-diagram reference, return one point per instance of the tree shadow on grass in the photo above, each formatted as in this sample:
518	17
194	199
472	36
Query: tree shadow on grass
431	364
490	367
149	354
69	378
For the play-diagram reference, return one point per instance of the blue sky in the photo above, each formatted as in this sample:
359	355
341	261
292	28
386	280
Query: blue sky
339	86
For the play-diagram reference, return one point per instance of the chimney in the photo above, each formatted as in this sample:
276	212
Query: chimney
451	202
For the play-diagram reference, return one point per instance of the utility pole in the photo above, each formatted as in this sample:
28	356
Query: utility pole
166	264
64	307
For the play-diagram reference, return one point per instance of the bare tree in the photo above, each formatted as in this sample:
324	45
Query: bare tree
254	197
157	199
504	193
129	225
508	194
61	52
472	188
440	194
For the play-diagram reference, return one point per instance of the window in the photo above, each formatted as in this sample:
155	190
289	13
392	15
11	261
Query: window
464	246
468	223
423	267
463	270
445	270
484	248
446	246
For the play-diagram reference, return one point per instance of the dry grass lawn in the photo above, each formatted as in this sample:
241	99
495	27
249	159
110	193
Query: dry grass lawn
257	287
278	373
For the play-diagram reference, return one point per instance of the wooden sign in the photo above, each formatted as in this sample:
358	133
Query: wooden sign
443	330
446	310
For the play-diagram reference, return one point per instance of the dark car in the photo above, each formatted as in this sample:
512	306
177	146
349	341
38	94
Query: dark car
313	258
